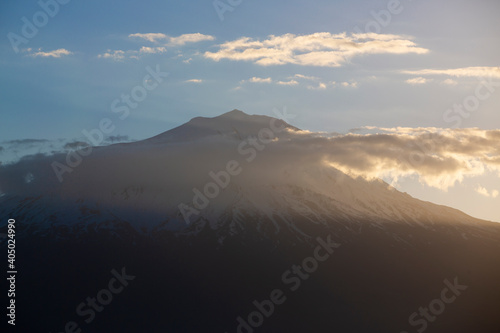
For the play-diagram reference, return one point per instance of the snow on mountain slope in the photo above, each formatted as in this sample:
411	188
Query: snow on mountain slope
173	182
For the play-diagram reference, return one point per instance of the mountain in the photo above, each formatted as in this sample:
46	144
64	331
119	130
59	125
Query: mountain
212	214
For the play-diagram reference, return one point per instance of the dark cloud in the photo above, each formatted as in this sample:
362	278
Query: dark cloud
117	138
76	145
25	141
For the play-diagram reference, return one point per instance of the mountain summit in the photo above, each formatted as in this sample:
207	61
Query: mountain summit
234	124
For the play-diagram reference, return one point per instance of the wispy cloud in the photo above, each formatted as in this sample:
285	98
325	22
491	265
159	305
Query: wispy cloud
484	192
318	49
260	80
174	41
194	81
288	83
418	81
151	37
54	54
305	77
156	38
352	84
189	38
320	86
116	55
460	72
146	49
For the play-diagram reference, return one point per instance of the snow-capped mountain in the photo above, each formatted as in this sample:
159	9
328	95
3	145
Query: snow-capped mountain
180	180
210	216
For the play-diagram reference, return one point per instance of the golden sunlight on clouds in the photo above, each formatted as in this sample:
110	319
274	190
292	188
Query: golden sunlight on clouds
318	49
440	158
460	72
483	191
417	81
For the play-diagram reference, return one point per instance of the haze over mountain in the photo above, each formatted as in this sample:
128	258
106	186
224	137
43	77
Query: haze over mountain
211	215
277	170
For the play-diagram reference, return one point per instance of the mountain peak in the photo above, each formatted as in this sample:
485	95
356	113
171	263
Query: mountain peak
233	124
234	113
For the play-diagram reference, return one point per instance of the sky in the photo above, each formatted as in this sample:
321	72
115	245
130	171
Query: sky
356	68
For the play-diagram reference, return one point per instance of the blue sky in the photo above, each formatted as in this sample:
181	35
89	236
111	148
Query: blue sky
426	57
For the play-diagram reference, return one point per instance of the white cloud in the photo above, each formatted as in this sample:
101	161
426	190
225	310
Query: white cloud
320	86
189	38
318	49
174	41
288	83
152	37
460	72
352	84
194	81
305	77
116	55
54	54
417	81
119	55
260	80
146	49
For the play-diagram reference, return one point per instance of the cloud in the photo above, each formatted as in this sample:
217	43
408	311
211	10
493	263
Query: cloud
25	141
174	41
260	80
116	55
438	157
189	38
146	49
483	191
194	81
305	77
75	145
320	86
54	54
318	49
120	55
152	37
117	138
417	81
352	84
460	72
288	83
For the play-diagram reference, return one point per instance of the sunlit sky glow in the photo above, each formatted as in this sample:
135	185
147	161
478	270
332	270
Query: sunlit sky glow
339	66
